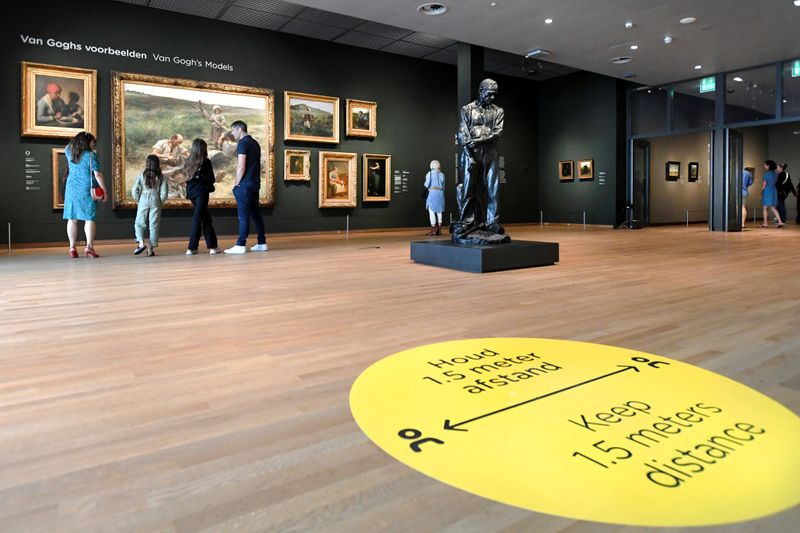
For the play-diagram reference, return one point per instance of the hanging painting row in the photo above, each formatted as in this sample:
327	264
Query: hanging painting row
154	113
566	169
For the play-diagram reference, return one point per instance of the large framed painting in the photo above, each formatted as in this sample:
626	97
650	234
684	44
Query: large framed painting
58	101
673	170
162	116
310	117
296	165
694	171
377	171
586	169
337	179
362	118
60	169
566	172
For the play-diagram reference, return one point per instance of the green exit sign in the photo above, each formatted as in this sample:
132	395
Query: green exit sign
796	69
708	85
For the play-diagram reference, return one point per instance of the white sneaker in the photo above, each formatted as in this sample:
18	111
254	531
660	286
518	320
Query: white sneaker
236	249
213	251
259	248
191	252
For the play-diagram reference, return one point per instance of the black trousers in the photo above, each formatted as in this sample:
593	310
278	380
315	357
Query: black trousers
201	223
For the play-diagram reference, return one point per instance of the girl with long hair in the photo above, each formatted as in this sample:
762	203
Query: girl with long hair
78	204
199	185
149	191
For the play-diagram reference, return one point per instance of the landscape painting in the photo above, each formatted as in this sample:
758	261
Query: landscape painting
311	117
673	170
162	116
586	169
362	118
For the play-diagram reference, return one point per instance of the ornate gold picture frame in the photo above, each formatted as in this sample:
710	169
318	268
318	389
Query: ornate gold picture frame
153	114
60	168
310	117
566	170
297	165
362	118
376	178
585	169
338	176
58	101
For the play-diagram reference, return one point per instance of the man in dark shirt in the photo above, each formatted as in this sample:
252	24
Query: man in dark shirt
248	182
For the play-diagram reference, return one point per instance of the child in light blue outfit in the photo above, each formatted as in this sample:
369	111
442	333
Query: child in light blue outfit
150	192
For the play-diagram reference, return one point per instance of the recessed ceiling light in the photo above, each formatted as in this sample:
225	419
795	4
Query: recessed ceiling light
628	25
698	67
634	47
785	101
797	3
432	9
620	60
667	39
493	4
738	78
688	20
548	21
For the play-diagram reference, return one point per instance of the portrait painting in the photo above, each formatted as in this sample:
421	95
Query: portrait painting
58	101
694	171
163	116
297	165
311	117
673	170
586	169
566	171
337	179
60	168
362	118
376	175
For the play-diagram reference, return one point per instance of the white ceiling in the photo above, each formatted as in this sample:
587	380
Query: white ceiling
586	34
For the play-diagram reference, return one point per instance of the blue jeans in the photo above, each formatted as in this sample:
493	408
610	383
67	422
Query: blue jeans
246	207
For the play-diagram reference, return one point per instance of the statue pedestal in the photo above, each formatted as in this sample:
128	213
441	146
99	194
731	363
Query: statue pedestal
479	259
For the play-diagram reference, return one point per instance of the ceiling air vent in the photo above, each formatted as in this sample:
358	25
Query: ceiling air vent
432	9
621	60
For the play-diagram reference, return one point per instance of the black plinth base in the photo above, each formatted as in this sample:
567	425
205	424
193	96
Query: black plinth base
516	254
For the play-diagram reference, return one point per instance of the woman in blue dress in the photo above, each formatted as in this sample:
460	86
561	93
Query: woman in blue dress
769	194
78	203
434	182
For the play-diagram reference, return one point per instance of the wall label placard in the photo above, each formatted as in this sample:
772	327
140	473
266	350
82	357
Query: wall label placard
33	171
582	430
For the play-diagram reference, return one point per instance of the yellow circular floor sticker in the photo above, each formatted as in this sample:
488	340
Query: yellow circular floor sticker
583	430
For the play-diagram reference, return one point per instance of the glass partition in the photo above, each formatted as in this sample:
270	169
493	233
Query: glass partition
648	110
750	95
791	88
693	104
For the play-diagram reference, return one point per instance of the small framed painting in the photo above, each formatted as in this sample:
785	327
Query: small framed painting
310	117
586	169
566	172
337	179
694	171
362	118
297	165
60	169
377	171
673	170
58	101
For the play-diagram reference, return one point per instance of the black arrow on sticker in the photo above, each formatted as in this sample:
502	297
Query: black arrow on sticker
455	427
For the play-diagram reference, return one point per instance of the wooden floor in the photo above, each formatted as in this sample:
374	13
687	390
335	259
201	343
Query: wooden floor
201	393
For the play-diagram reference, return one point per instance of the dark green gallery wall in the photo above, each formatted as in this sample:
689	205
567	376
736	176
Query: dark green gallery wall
417	118
582	116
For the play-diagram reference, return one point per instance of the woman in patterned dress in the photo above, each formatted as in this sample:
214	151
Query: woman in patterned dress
78	203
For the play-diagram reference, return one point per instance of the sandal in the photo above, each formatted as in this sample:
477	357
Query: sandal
764	225
90	252
73	253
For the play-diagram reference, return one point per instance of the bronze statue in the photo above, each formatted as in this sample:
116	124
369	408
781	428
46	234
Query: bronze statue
480	127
